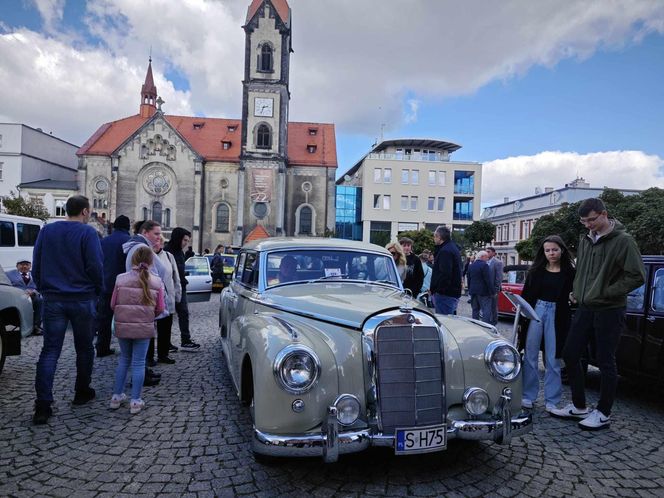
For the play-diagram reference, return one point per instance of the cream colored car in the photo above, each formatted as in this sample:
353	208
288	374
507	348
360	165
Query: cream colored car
332	356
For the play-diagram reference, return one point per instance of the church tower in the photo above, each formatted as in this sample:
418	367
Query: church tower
265	98
148	94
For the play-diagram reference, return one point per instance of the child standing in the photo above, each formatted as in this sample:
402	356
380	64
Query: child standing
138	297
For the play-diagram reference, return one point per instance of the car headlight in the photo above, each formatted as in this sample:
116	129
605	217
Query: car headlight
502	360
296	368
348	409
475	401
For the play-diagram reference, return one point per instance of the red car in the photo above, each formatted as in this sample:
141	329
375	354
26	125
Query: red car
514	276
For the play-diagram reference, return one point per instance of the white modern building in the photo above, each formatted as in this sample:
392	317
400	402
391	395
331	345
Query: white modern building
515	219
31	157
410	184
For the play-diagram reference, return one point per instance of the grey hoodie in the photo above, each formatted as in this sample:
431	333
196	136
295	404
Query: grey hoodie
129	248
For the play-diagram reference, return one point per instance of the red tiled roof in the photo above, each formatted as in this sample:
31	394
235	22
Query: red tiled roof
257	233
281	6
206	139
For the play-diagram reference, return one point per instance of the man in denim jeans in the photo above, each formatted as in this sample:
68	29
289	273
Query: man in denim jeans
67	268
446	277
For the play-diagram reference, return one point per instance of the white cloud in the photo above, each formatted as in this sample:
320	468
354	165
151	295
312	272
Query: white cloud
356	64
51	12
516	177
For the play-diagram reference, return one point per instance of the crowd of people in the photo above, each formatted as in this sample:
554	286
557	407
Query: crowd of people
133	285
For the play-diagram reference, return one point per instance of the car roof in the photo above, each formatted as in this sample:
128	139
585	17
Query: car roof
276	243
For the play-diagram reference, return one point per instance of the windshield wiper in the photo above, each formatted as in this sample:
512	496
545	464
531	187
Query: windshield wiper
327	277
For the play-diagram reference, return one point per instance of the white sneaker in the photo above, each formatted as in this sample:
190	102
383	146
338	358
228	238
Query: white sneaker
595	421
550	407
526	403
136	406
570	411
117	400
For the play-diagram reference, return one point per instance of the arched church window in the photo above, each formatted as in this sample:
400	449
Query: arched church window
223	218
156	212
167	218
145	214
263	137
305	220
266	58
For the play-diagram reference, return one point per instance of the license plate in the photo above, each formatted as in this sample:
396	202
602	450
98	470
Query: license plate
420	440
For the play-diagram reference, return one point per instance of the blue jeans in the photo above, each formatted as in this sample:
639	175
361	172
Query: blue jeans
481	304
547	328
132	353
57	315
445	305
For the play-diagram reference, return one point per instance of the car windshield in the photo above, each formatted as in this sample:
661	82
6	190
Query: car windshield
311	265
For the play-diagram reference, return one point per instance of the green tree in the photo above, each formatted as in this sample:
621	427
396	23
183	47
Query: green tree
15	204
480	233
525	249
422	239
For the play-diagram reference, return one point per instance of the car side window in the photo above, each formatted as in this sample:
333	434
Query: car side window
7	238
657	302
240	266
250	270
635	299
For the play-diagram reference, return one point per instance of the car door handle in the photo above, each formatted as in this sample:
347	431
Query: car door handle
651	319
208	281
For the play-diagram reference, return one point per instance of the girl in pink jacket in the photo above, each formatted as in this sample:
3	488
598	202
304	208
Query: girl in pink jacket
138	297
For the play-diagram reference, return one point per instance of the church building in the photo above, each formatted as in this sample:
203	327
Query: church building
220	178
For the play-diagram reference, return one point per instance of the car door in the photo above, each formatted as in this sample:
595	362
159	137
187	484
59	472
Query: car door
632	343
199	278
652	362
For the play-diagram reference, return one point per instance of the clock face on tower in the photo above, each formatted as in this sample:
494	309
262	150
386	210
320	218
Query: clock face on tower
263	107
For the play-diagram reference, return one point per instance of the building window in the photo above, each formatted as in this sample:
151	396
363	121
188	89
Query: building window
313	131
464	182
415	177
387	202
145	214
348	213
380	232
311	148
405	175
431	203
432	178
441	204
225	144
1	166
263	137
305	221
0	141
156	212
378	175
441	178
404	202
413	203
265	58
387	175
167	218
223	218
399	154
463	210
376	201
60	208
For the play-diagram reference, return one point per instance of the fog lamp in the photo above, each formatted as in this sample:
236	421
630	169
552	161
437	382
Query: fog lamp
475	401
348	409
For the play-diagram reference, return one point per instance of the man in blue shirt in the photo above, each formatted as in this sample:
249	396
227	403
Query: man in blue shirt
67	268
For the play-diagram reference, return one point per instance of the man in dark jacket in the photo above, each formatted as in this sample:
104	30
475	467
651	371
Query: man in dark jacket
608	267
446	278
480	287
414	271
67	268
114	264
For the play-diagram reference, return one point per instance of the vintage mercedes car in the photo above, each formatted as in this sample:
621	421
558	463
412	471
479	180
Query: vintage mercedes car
332	356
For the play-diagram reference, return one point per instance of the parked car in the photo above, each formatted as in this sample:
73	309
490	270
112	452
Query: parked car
17	238
514	276
16	318
332	356
228	266
198	274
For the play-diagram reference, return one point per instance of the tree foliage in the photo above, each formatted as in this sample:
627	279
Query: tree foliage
422	239
17	205
479	233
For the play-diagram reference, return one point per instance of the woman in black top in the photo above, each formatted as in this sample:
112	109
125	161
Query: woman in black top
546	289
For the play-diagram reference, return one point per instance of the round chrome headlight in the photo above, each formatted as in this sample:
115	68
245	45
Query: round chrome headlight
502	360
348	409
296	368
475	401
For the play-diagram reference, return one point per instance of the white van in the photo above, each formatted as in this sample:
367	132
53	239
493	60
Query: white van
18	235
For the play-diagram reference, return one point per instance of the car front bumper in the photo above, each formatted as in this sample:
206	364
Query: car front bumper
331	442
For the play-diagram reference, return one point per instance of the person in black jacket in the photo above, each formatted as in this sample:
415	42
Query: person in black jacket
446	278
414	271
180	239
547	287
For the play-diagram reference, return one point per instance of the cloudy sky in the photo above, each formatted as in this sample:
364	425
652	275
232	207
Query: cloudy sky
539	92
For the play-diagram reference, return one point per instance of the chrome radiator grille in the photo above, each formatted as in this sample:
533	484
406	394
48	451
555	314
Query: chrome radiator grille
410	376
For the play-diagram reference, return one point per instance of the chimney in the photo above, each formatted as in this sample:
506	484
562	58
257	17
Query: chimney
548	190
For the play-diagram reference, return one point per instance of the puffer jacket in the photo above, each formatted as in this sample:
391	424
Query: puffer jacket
133	319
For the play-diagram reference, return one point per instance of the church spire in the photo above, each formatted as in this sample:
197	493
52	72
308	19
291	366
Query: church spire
148	94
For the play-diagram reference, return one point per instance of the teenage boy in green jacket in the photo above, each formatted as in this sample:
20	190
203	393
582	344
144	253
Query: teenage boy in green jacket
608	267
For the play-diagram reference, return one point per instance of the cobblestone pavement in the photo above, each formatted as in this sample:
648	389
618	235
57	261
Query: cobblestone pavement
192	439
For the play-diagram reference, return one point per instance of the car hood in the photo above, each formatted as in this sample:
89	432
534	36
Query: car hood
345	303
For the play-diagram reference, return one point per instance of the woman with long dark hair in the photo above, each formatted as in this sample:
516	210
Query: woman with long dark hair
547	287
180	238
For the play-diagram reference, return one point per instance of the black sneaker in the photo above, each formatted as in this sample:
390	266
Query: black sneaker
107	352
150	381
190	346
82	397
166	360
172	349
43	411
152	373
151	362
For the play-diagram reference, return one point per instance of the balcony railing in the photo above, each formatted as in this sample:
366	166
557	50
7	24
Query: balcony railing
438	157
